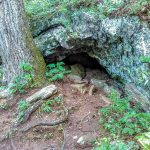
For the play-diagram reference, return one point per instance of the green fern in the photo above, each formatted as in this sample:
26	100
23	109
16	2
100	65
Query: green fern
56	71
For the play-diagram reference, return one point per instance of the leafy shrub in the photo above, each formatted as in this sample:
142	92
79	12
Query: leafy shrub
121	118
56	71
24	80
107	144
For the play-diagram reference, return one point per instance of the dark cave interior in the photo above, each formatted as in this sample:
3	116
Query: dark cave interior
85	60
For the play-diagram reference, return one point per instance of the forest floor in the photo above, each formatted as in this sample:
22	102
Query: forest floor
83	120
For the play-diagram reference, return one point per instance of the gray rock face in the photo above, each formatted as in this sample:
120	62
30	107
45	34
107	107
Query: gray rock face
117	43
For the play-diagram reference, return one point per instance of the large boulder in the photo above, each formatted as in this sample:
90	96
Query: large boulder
117	43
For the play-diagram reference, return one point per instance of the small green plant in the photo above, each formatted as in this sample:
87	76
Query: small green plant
58	99
24	80
46	107
56	71
145	59
124	118
22	107
107	144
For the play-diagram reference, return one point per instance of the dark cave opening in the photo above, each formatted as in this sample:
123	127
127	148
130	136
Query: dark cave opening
80	57
85	60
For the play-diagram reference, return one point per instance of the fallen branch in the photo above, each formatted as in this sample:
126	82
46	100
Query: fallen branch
46	123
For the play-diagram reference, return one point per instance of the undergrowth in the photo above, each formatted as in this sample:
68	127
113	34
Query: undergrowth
123	119
107	144
68	8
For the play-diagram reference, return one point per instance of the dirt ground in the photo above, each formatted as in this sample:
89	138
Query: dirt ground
83	119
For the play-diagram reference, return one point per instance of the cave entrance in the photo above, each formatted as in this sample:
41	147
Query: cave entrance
83	59
91	65
87	68
94	72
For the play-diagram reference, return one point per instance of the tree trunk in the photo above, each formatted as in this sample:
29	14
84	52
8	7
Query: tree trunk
16	42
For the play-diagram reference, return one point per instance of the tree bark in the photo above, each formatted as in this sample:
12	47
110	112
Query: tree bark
16	42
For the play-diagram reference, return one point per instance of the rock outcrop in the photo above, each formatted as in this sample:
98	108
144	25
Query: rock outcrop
117	43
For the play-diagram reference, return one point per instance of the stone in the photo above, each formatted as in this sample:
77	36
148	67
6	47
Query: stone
75	137
78	70
80	87
86	140
96	74
77	79
42	94
5	94
101	84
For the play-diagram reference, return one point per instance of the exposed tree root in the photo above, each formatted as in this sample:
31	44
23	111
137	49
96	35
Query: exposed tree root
63	145
12	144
45	123
36	100
30	110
